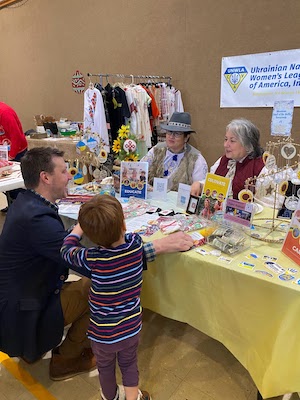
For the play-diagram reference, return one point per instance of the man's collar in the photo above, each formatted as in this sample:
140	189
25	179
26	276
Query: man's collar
47	202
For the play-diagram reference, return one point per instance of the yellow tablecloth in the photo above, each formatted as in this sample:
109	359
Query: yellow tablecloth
257	317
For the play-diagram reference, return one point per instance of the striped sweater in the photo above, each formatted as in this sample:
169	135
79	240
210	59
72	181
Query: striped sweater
116	281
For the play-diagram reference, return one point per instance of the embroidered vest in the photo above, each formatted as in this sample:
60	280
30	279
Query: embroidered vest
248	168
184	172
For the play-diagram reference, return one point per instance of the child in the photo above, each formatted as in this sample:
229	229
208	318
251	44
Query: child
116	265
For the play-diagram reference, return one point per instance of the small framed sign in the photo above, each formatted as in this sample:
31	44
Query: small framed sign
192	206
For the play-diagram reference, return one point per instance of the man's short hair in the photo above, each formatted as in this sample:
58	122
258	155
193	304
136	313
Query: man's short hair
35	161
102	219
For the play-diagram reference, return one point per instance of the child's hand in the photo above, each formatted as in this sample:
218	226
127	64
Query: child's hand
77	230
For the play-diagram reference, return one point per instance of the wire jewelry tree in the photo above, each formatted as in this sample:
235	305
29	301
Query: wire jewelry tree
282	164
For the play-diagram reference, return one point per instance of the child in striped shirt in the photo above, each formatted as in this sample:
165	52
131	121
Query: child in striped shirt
115	264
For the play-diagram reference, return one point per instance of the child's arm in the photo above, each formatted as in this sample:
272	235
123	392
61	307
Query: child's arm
77	231
72	251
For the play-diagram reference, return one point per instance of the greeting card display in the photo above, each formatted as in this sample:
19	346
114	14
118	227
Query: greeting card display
291	245
134	178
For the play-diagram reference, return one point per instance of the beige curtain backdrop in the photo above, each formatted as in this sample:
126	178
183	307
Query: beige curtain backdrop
44	42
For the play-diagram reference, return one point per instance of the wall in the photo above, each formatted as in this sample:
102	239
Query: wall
43	42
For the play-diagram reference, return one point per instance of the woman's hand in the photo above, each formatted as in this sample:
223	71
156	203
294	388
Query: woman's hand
178	241
196	188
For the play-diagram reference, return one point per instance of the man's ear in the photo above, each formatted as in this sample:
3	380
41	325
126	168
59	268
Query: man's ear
44	177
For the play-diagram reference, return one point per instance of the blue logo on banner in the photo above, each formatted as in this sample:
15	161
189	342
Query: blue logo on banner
235	76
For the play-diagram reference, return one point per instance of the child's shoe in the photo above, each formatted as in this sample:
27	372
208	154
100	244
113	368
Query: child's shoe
120	395
143	395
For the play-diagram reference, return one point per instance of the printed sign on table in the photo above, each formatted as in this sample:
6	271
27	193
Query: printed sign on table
239	212
134	178
160	188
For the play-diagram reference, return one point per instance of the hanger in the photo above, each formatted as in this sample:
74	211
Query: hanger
91	85
132	80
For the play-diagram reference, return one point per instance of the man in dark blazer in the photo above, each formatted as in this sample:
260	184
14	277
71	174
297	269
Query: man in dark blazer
35	301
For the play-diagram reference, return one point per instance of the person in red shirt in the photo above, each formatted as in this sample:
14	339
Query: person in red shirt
12	135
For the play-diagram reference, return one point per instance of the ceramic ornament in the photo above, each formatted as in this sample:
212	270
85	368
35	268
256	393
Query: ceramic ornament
96	173
78	82
129	145
92	143
288	151
102	157
81	145
78	178
84	170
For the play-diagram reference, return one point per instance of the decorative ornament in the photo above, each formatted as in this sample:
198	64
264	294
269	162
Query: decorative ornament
96	173
283	187
291	202
91	143
270	162
103	174
265	157
78	178
73	171
125	146
84	170
245	196
288	151
129	145
270	189
81	146
78	82
102	157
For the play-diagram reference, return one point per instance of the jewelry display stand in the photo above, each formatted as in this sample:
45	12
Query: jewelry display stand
282	165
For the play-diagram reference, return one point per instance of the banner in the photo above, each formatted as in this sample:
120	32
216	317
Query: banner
258	80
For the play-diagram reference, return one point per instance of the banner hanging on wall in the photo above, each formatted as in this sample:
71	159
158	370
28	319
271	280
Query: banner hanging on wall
258	80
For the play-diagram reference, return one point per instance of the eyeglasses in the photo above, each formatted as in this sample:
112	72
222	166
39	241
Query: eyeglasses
175	134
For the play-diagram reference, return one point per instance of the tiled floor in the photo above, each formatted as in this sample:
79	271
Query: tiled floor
176	362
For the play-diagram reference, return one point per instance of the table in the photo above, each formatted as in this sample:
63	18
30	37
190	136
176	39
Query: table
254	315
67	145
12	181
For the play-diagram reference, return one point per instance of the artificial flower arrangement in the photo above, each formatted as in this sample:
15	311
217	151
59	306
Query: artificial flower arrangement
125	145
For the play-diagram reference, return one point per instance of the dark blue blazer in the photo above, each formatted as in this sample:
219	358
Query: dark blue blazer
32	273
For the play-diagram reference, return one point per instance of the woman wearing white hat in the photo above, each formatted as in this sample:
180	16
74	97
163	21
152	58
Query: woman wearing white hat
175	159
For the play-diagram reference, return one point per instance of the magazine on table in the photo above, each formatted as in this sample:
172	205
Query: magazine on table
134	179
214	194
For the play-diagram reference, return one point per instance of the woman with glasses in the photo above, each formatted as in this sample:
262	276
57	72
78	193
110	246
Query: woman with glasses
175	159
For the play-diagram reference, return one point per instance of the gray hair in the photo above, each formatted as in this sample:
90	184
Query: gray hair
248	134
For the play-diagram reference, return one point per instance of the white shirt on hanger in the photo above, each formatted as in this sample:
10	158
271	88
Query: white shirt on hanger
94	115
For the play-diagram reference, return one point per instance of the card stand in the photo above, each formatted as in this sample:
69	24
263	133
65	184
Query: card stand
230	238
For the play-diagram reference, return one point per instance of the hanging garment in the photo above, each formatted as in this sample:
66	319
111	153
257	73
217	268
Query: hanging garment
94	115
117	108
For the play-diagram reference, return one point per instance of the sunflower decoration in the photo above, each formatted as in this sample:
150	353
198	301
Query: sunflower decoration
125	145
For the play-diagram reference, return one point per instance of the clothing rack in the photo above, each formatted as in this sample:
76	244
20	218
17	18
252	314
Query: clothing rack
153	77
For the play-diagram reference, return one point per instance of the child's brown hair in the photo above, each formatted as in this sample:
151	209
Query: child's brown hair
102	220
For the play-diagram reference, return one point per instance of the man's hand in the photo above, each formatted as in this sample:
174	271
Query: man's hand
178	241
196	188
